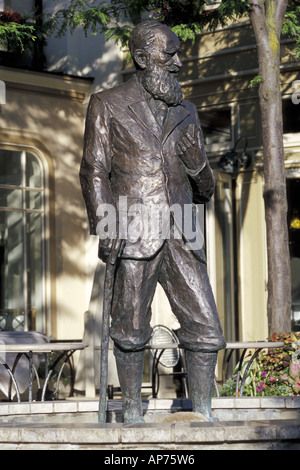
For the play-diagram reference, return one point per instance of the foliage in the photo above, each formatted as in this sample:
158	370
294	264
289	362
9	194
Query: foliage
15	32
187	18
255	81
291	25
274	372
115	18
97	16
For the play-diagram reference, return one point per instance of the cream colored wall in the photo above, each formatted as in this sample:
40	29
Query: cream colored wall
47	112
161	310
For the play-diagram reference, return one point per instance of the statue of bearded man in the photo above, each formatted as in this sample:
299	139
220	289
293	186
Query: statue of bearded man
143	142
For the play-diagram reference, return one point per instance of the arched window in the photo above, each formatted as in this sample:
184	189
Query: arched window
22	241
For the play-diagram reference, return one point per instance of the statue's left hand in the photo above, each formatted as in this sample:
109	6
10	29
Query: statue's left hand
188	148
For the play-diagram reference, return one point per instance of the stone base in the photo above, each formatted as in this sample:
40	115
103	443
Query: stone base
179	416
170	426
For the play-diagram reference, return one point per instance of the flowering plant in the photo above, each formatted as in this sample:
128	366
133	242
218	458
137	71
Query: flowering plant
15	33
274	372
10	17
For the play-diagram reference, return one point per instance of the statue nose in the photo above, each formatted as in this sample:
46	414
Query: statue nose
177	61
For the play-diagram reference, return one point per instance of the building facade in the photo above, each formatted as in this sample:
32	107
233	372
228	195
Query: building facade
49	272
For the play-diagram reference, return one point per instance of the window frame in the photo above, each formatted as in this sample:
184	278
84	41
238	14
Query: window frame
45	228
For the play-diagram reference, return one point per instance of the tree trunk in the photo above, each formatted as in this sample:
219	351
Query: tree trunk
266	17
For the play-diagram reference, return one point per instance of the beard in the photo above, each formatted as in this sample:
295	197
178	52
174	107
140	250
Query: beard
162	85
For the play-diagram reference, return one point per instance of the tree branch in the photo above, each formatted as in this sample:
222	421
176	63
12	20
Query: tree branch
280	9
257	14
258	21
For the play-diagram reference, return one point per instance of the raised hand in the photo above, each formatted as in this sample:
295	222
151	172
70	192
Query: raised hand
189	149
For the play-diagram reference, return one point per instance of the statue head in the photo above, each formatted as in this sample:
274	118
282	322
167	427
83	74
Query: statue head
155	51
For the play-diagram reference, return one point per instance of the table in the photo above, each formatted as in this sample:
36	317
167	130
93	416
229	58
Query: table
66	350
230	347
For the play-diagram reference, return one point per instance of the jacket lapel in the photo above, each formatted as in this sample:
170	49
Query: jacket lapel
142	111
176	115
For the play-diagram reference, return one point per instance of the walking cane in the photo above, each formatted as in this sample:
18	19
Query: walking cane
107	303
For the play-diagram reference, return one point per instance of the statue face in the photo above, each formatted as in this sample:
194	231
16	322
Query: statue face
165	51
161	67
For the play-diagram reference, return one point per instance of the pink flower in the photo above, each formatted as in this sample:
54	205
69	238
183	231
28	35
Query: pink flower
260	387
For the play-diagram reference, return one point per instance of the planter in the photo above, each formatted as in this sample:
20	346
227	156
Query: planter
16	59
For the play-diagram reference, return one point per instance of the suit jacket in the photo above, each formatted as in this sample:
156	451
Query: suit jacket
127	153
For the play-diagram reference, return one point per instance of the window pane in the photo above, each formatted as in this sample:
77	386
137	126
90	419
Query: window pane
11	267
33	171
216	125
10	167
293	188
33	200
11	271
35	267
11	198
291	117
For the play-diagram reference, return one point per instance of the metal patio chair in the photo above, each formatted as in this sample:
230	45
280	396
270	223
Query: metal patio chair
166	351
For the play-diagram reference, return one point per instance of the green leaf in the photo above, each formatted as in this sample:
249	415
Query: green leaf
255	81
17	34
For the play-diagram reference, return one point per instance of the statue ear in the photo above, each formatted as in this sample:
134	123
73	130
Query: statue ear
140	57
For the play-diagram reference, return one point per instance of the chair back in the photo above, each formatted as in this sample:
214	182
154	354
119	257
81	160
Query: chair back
168	357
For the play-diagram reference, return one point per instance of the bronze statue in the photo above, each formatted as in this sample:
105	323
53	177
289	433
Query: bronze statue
144	145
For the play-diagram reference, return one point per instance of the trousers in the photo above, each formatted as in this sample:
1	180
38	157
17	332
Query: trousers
185	281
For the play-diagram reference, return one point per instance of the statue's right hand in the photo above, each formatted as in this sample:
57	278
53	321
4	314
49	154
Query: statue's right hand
107	230
107	245
104	248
